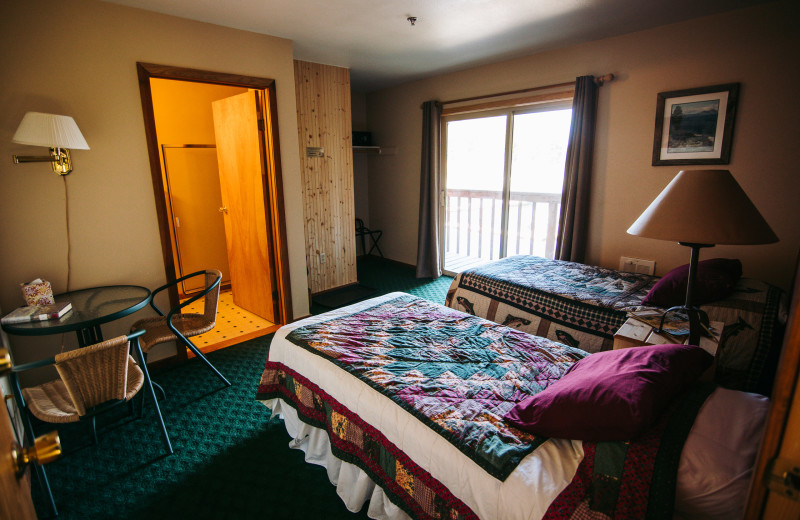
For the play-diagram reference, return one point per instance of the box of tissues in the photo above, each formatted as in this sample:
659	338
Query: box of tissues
37	292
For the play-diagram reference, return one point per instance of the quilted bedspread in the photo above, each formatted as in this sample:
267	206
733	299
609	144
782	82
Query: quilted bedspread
576	304
592	285
458	374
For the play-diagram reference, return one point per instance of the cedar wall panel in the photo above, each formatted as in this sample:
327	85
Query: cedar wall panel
324	120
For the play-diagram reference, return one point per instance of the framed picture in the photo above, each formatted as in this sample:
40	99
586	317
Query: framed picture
695	126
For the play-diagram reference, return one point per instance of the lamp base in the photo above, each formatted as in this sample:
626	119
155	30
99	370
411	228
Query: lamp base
698	322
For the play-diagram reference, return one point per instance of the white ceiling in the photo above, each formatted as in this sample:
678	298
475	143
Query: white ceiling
374	39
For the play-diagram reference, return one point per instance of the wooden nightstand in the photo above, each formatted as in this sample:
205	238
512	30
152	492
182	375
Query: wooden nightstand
634	333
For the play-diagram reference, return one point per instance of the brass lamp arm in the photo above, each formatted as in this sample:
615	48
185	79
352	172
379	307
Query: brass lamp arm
60	157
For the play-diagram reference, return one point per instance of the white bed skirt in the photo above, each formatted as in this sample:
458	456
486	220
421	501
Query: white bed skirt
353	485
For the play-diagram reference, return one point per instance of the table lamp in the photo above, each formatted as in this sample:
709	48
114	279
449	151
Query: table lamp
702	208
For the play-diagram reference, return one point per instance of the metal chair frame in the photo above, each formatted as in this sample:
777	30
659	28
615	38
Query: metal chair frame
362	231
90	414
175	310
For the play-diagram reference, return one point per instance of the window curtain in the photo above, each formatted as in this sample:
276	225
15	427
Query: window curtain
574	219
428	265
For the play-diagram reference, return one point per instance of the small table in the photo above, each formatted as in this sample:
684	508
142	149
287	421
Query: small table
634	333
90	308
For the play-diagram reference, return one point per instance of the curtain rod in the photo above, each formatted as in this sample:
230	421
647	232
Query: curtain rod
599	81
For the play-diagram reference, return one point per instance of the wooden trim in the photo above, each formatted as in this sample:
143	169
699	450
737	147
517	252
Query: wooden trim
510	103
202	76
278	209
145	72
233	341
162	214
780	405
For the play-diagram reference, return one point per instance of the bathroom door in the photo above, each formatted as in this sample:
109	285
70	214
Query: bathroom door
238	124
195	202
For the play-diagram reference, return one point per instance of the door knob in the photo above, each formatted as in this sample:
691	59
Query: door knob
46	448
223	209
5	361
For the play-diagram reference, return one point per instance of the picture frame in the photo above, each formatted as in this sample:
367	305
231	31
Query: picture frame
695	126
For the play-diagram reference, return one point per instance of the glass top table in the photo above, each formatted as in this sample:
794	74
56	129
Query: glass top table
90	308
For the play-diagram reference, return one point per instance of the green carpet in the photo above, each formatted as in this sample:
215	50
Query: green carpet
230	462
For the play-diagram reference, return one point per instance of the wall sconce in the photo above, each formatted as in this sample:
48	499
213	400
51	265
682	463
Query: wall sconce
59	133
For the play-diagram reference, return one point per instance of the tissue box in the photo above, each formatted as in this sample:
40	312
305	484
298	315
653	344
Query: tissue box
38	292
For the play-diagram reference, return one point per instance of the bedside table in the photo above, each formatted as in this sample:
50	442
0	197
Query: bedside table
634	333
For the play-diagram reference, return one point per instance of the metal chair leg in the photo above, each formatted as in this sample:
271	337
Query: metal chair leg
94	430
200	355
149	382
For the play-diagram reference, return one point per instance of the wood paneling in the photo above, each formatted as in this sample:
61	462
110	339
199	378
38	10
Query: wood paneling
324	120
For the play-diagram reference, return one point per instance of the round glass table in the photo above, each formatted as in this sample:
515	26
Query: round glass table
90	308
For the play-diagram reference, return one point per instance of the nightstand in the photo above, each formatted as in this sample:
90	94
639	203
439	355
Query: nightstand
634	333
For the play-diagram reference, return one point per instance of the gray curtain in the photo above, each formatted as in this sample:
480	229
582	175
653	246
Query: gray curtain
428	265
574	219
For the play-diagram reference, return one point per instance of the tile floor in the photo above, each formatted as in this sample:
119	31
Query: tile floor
234	325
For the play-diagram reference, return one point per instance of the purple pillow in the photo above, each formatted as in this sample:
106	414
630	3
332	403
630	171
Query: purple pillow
716	279
613	395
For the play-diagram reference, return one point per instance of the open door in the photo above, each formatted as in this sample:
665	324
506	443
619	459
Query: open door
238	127
15	491
775	490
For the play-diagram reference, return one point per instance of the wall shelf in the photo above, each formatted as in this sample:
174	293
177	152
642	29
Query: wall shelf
374	150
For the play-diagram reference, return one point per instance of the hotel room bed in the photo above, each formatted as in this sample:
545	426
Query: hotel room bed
370	430
583	306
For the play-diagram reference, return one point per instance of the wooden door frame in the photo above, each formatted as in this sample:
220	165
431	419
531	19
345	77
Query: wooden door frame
781	403
273	188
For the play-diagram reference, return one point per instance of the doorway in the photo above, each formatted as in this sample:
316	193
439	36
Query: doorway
193	149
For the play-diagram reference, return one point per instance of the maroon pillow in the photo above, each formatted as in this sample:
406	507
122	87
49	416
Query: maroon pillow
716	279
613	395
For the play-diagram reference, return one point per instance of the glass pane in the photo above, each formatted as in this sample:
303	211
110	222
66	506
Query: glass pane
539	153
475	169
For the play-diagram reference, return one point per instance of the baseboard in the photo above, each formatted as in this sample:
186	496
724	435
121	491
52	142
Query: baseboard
388	260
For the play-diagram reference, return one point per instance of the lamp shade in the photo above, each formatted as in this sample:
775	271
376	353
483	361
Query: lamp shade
50	130
704	207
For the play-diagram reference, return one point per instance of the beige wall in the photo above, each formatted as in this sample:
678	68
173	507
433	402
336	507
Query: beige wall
78	57
757	47
358	107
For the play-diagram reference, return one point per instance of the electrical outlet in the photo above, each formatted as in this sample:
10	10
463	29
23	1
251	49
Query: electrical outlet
637	265
322	258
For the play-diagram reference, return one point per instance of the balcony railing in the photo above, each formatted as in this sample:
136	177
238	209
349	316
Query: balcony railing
472	226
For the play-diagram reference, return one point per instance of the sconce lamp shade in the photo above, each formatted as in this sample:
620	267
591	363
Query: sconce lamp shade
704	207
51	130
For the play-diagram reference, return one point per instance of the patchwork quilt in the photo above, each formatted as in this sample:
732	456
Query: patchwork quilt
457	373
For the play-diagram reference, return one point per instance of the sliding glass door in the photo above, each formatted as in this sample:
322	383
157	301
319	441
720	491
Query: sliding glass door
502	176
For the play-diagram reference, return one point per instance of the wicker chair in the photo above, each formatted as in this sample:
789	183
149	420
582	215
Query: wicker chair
92	380
175	326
